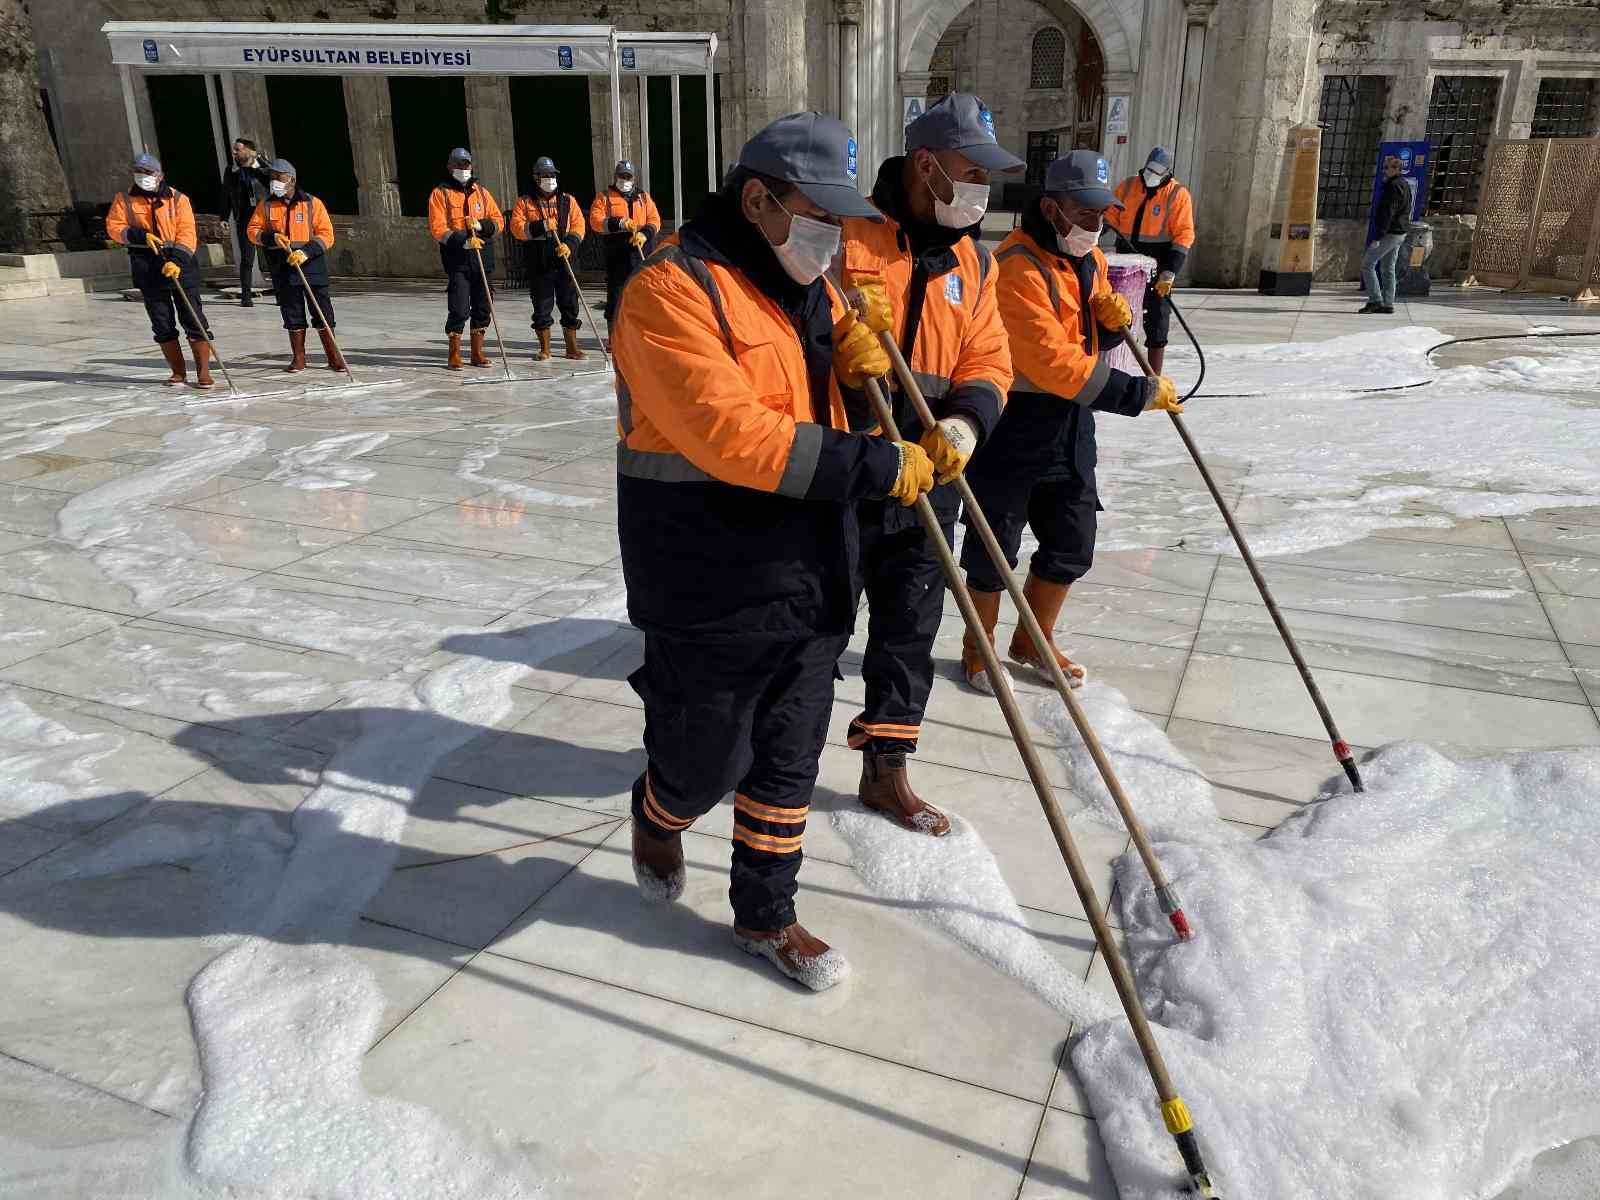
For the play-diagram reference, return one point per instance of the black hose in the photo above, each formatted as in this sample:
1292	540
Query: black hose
1193	341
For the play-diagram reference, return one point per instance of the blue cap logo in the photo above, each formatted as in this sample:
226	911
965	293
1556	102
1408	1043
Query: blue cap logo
151	52
1102	173
986	118
850	158
564	57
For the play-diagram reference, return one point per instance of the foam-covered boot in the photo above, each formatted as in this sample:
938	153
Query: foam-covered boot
173	353
297	350
804	958
570	336
886	788
1045	599
201	349
453	362
479	358
544	346
977	675
331	349
1157	356
658	864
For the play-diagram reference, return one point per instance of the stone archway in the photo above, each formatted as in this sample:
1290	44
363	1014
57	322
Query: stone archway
1115	24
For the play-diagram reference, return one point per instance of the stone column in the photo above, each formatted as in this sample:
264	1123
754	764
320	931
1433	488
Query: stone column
255	115
489	135
371	121
773	37
849	51
1191	102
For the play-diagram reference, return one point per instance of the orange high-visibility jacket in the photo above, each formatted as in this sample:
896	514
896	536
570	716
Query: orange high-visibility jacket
736	495
168	215
451	207
1159	223
958	349
610	208
1056	343
558	213
304	220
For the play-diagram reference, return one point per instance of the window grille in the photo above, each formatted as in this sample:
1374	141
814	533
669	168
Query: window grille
1049	59
1351	115
1565	108
1461	114
1043	149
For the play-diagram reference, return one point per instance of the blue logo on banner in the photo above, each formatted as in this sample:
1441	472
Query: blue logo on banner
1102	172
1405	158
151	52
564	57
952	288
850	158
629	61
987	117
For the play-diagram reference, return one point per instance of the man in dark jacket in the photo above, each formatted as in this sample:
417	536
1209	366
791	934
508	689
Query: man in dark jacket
243	187
1393	219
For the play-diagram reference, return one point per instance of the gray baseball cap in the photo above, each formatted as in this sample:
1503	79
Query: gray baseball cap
459	155
282	166
1085	177
817	154
962	122
545	167
149	164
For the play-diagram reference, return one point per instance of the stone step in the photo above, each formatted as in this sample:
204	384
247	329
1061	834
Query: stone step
23	289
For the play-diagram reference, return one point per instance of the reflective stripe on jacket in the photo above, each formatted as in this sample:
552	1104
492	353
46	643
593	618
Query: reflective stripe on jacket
168	215
304	220
735	494
1158	223
534	217
450	206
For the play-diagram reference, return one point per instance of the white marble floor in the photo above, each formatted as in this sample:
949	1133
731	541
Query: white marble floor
204	598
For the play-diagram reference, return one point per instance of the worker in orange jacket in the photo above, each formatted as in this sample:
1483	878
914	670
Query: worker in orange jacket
464	220
940	282
155	222
1155	218
295	233
627	220
551	223
737	480
1038	469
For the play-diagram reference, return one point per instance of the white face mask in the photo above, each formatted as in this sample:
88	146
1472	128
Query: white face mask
1076	242
809	248
146	183
547	186
279	188
625	186
461	174
1152	179
966	206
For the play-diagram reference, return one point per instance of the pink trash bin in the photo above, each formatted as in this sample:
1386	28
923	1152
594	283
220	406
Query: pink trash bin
1130	274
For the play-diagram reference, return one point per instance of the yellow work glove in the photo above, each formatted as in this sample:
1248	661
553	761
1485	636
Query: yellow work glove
282	242
916	474
1111	310
171	270
950	444
563	250
637	241
1165	398
474	225
626	224
474	243
153	242
873	303
297	258
1164	284
857	355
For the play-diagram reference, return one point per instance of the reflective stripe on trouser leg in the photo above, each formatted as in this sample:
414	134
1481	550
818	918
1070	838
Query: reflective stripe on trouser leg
905	599
790	726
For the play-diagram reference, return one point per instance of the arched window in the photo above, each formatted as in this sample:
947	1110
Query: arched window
1049	59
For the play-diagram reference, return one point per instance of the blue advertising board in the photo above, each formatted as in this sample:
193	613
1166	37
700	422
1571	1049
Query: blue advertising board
1414	162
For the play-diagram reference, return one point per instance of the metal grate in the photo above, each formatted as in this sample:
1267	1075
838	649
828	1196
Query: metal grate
1461	114
1510	194
1566	210
1049	59
1043	149
942	68
1351	116
1565	108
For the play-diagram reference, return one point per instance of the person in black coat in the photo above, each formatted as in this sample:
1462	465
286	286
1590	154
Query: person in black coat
244	184
1393	218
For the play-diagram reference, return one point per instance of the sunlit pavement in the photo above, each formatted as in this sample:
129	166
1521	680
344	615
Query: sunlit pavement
201	595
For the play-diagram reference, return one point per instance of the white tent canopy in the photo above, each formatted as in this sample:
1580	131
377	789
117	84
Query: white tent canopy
226	47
